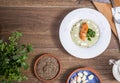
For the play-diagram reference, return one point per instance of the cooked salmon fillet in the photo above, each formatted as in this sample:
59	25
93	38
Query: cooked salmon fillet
83	31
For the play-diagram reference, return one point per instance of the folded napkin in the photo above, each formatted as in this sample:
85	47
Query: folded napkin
116	24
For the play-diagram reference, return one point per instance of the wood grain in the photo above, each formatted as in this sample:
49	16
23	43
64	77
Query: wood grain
45	3
117	2
40	27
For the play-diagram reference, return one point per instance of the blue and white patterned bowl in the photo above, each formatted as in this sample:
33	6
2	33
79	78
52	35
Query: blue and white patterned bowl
89	71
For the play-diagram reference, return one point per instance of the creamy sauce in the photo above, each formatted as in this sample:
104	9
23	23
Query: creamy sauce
75	33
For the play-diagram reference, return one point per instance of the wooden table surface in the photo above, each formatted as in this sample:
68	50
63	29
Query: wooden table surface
39	21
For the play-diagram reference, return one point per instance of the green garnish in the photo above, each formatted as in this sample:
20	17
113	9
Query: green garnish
90	34
12	58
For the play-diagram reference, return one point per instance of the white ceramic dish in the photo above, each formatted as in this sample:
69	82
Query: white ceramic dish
116	74
73	17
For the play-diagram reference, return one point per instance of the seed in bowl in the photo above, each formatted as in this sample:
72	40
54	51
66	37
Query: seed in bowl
80	74
73	81
85	81
84	78
85	73
91	77
47	67
79	79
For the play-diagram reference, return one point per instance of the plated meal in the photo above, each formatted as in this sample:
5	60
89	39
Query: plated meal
85	33
47	67
84	75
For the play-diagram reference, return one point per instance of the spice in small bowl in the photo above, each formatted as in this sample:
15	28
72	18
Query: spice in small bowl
47	67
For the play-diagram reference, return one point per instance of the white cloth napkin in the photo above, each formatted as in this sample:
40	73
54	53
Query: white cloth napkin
116	24
116	74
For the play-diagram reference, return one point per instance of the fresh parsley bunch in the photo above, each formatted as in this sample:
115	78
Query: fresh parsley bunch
12	58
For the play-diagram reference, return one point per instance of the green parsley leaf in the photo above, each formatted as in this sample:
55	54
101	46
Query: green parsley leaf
12	59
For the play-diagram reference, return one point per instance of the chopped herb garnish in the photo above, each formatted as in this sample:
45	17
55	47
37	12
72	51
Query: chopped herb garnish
90	34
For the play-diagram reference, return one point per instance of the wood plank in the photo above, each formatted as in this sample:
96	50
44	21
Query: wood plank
49	41
99	63
44	3
38	25
117	2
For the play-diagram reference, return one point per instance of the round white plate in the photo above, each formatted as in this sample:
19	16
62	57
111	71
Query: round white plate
73	17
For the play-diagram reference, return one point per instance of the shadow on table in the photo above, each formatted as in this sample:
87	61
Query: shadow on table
56	26
33	62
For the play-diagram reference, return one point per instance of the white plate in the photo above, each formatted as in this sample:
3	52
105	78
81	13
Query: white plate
71	19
